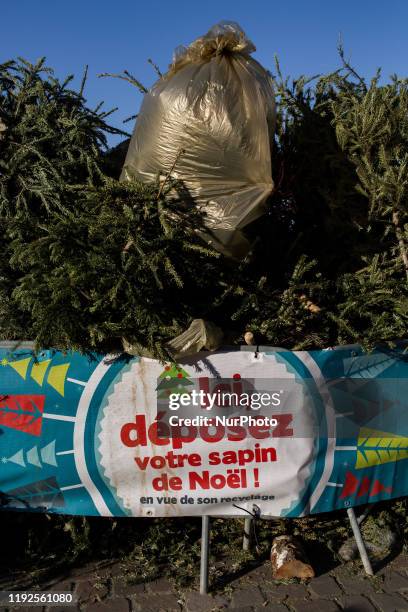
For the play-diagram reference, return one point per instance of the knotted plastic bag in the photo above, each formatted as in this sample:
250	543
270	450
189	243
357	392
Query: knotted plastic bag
200	334
209	122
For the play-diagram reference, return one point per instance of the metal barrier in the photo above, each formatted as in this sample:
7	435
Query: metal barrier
205	545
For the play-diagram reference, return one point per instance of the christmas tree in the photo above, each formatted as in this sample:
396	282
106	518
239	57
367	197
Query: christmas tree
173	380
89	262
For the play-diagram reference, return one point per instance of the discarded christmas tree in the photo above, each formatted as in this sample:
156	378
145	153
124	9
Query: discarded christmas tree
89	262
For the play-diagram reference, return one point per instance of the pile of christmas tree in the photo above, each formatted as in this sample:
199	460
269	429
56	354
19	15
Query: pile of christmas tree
89	262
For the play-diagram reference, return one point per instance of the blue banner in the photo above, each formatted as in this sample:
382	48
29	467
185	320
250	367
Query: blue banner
112	436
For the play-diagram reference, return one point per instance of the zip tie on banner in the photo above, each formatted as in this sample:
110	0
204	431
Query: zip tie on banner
256	515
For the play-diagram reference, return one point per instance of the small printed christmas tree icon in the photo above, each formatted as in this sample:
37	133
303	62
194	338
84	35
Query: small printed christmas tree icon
172	380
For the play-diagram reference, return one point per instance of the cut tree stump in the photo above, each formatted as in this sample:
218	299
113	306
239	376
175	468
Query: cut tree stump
288	559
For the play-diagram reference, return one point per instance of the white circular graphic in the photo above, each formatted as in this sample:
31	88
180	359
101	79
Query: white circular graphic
273	484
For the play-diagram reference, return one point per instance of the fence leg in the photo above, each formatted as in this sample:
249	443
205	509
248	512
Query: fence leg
359	541
205	552
364	515
246	542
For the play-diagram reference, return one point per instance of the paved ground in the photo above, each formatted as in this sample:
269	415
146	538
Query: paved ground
109	588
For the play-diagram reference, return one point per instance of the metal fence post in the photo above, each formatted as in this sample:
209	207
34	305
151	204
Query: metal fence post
359	541
205	553
246	542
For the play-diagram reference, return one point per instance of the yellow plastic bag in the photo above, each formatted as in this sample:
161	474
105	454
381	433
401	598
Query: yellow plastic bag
210	121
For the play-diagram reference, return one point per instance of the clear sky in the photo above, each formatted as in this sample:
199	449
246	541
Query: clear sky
112	36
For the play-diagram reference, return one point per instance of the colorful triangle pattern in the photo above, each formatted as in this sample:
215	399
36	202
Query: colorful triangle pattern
352	485
38	371
377	447
56	377
21	366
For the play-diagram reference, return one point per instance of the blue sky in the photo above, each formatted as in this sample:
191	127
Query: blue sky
111	36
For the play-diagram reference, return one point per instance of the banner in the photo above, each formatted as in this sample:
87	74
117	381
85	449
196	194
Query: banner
271	431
